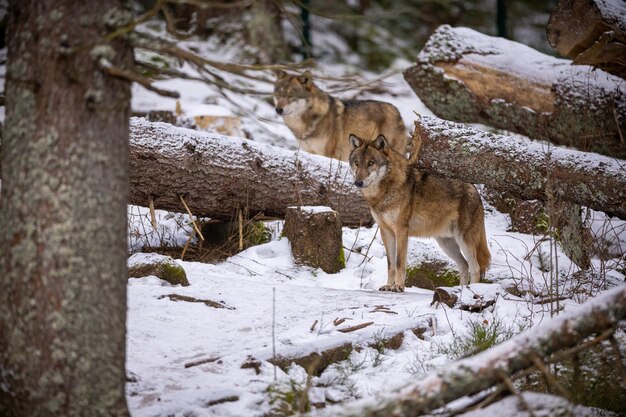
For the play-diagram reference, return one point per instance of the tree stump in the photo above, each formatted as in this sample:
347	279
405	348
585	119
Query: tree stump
314	233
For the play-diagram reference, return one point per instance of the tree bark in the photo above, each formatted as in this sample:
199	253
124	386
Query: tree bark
477	373
526	169
465	76
266	32
591	32
63	212
217	175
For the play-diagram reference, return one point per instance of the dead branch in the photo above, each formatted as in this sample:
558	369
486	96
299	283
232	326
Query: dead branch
201	362
357	327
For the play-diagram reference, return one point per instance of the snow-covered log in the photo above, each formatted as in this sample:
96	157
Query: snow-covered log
591	32
465	76
217	175
477	373
526	169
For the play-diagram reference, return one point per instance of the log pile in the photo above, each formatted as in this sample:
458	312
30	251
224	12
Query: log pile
591	32
465	76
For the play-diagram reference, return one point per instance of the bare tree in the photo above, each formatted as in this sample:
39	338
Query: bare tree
64	170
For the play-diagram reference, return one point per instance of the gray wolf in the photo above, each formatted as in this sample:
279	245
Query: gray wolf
321	123
406	202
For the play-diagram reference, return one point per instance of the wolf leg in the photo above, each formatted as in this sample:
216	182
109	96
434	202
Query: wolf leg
389	240
450	246
469	251
402	240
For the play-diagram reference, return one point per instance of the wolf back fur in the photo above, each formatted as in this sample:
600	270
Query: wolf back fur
406	202
322	123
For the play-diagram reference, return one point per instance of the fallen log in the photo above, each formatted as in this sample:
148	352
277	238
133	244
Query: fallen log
591	32
217	175
526	169
477	373
465	76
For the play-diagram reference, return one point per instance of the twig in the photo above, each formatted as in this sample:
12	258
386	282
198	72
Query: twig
133	76
189	239
240	230
338	320
575	350
193	222
480	402
274	329
357	327
619	129
550	378
514	391
313	325
618	355
201	362
549	300
152	213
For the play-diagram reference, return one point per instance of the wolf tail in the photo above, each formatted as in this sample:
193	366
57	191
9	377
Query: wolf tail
483	256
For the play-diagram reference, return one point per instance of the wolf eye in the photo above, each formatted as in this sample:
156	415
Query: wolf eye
370	163
356	163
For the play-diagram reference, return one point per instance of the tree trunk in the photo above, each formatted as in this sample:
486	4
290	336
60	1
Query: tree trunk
217	175
63	212
266	32
526	169
477	373
591	32
465	76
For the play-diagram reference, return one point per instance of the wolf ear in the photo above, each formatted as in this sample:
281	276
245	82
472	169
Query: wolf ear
280	74
380	143
355	141
306	79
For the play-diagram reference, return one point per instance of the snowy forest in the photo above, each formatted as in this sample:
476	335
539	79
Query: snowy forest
273	208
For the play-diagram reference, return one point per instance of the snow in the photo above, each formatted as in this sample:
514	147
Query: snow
314	209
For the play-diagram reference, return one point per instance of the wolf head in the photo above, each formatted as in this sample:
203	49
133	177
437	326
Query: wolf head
292	92
368	160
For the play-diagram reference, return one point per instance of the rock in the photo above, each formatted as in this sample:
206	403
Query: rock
315	236
444	296
164	267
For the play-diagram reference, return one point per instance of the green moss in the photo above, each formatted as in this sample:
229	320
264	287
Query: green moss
174	274
342	259
437	272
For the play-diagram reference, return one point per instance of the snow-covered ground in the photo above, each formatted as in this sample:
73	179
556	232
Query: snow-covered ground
275	303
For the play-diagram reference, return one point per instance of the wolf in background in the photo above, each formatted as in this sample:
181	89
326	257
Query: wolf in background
406	202
322	123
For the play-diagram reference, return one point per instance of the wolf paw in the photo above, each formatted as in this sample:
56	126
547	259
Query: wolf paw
392	288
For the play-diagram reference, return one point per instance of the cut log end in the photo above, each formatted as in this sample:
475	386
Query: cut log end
315	236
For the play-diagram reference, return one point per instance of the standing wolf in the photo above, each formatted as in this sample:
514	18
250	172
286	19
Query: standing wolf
406	202
321	123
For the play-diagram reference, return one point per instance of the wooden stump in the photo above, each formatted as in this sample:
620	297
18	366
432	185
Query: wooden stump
315	236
